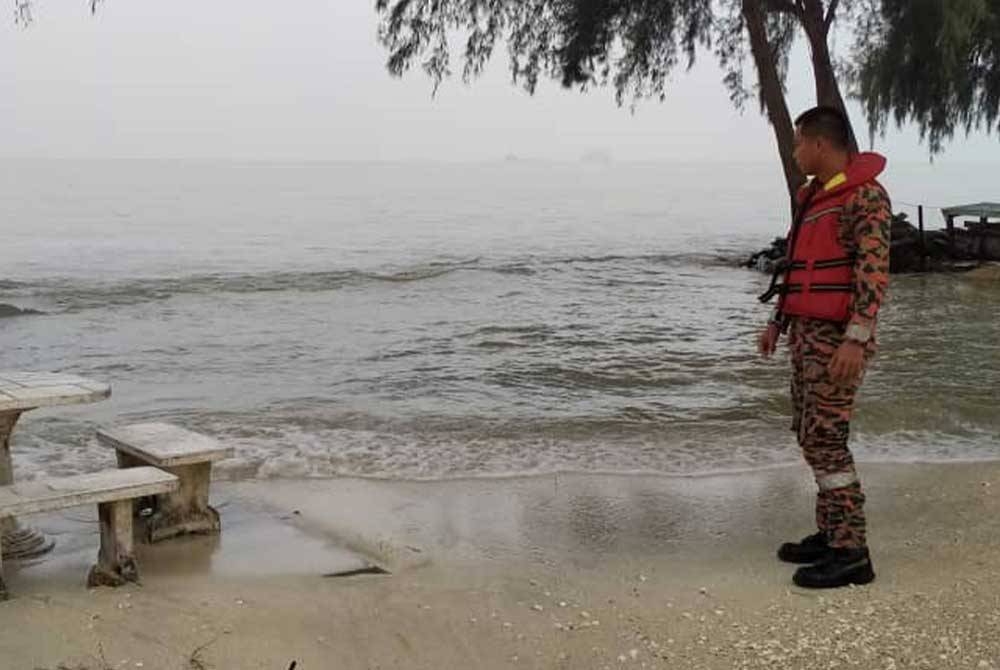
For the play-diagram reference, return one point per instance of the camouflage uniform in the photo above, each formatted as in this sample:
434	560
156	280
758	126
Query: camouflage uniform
822	408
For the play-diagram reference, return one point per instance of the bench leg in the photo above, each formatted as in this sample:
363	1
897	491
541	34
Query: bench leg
116	558
185	510
127	460
3	586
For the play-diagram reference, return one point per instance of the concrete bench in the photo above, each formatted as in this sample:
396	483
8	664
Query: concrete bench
113	491
180	452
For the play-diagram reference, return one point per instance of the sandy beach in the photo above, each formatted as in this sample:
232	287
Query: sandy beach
568	571
494	333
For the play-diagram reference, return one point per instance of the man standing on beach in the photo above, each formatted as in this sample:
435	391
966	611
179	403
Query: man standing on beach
835	276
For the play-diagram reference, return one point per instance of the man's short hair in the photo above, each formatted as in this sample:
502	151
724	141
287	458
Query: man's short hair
827	122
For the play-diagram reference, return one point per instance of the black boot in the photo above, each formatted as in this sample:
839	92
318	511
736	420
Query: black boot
808	550
841	568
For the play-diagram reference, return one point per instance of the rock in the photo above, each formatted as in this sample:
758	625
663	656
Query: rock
764	260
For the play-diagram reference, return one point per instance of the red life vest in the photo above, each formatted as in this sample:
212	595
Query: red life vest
820	279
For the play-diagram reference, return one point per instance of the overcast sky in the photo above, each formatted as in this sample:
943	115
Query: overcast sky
306	80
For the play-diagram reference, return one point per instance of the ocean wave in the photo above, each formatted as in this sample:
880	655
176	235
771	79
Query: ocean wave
681	258
10	311
74	295
310	437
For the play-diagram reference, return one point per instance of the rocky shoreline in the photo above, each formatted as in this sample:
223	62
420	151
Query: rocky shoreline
940	251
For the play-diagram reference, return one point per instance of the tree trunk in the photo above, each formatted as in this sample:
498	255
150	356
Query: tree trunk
827	89
773	94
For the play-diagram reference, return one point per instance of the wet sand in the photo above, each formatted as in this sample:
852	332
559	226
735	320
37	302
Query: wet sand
574	571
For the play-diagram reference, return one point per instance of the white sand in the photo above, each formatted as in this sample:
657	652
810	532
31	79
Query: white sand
567	572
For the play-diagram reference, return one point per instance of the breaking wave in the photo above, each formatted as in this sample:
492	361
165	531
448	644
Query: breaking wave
9	311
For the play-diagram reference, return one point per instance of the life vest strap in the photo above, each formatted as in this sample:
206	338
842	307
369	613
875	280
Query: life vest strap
774	288
785	289
845	261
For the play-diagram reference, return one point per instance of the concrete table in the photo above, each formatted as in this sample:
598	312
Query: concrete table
19	393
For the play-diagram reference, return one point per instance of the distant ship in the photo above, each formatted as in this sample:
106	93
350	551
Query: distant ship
598	157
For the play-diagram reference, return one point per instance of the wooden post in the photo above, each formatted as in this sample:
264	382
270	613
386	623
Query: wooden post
923	243
951	236
116	558
984	231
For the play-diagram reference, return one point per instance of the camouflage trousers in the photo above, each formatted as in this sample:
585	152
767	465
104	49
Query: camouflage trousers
822	412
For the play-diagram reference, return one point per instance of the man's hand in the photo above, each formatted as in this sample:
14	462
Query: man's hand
847	362
767	341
